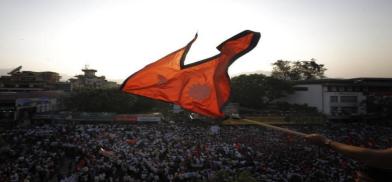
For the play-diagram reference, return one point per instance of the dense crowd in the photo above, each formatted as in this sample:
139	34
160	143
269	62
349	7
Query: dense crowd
180	152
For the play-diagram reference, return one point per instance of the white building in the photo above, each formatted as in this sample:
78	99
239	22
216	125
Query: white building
91	81
339	98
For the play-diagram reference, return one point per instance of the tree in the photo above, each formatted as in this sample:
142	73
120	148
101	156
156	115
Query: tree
310	70
258	90
99	100
380	106
110	100
281	70
298	70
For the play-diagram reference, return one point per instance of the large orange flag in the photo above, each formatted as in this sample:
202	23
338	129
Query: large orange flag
202	87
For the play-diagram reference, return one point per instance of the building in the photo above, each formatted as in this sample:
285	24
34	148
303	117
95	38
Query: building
24	93
90	81
23	105
339	98
25	81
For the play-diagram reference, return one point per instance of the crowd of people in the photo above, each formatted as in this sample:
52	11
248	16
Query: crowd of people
180	152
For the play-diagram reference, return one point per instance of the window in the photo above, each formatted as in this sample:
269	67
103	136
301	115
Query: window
348	99
349	110
301	88
341	89
29	78
333	99
334	111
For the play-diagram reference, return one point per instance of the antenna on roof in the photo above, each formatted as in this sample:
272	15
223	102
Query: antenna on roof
16	70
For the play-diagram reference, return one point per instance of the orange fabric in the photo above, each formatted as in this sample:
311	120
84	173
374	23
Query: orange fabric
131	141
202	87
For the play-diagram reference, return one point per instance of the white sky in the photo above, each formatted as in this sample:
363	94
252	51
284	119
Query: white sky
118	37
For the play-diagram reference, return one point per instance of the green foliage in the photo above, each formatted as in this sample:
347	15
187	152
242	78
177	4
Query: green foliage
109	100
282	70
380	106
257	90
298	70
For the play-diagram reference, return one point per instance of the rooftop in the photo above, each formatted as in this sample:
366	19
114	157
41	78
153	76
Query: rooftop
356	81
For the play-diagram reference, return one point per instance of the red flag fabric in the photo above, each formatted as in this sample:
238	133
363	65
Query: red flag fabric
80	164
106	153
202	87
131	141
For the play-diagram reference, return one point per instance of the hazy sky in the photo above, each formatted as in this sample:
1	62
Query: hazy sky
118	37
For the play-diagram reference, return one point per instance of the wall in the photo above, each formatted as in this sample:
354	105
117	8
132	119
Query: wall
328	104
312	96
